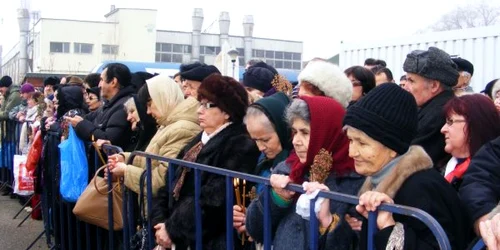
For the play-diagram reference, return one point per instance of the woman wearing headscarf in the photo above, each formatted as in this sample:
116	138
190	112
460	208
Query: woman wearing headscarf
380	128
320	157
267	127
178	123
223	143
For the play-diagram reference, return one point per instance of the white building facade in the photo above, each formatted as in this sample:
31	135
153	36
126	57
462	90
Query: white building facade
62	46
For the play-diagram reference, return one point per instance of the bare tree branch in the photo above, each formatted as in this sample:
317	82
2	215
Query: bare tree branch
469	16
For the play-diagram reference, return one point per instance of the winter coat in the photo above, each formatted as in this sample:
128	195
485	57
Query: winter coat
412	182
290	230
109	122
230	149
179	129
21	107
480	189
12	99
430	121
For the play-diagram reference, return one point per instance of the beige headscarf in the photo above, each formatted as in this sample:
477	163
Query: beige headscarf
166	94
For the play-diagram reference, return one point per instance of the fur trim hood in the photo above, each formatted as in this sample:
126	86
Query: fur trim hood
416	159
328	78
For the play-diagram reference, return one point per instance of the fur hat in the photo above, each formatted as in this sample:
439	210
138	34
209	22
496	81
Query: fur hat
464	65
51	80
328	78
199	73
227	94
433	64
6	81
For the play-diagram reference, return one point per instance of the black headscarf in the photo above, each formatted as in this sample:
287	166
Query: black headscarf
70	98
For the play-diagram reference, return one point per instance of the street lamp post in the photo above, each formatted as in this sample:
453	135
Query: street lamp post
233	54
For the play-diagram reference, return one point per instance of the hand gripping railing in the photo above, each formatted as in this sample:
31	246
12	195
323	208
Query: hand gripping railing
423	216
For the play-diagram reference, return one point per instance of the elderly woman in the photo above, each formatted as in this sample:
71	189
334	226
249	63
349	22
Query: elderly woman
178	123
465	117
266	126
318	138
224	143
380	129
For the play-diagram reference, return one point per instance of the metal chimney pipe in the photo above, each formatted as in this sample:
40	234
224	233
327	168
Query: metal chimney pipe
196	37
248	34
23	18
224	22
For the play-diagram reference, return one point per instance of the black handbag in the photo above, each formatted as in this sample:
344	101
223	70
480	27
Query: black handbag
139	241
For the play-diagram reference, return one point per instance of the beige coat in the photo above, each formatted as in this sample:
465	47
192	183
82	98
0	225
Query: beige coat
177	130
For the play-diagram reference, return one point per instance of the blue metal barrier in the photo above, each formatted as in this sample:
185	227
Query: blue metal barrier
479	245
423	216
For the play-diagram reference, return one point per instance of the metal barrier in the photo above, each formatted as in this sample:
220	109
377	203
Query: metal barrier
423	216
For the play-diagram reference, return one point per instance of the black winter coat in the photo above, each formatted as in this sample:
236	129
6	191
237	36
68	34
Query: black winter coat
230	149
430	121
414	183
480	189
109	122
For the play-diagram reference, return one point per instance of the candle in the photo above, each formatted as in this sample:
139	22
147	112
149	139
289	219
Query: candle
237	191
244	193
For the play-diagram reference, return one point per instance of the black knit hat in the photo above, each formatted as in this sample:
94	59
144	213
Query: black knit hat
227	94
433	64
199	73
258	78
464	65
6	81
388	114
51	80
188	67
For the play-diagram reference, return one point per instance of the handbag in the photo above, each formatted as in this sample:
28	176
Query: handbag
92	206
139	240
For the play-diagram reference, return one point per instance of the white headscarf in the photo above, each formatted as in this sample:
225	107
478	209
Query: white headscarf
166	95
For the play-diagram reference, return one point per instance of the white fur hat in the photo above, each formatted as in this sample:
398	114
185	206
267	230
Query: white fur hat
328	78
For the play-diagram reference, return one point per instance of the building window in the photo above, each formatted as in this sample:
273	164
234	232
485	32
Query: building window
83	48
242	61
241	52
110	49
209	50
279	59
169	52
59	47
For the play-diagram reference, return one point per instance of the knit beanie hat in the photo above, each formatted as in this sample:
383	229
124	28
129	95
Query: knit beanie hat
433	64
388	114
258	78
27	88
328	78
6	81
199	73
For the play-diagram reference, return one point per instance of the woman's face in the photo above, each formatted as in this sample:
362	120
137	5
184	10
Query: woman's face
301	134
153	110
265	137
455	136
357	88
210	116
497	100
133	117
369	156
92	101
31	102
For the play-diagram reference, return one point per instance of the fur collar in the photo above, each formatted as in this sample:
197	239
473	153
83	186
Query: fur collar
416	159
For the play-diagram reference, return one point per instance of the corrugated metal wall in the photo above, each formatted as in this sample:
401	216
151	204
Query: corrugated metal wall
481	46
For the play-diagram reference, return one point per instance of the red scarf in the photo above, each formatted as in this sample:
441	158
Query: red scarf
459	171
326	132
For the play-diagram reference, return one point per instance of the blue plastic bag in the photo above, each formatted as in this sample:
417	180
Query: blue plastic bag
74	167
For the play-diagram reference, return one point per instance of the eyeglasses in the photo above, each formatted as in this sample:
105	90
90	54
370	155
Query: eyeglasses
450	122
207	105
356	83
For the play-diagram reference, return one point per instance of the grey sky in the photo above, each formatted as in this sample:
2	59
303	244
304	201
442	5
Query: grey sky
321	25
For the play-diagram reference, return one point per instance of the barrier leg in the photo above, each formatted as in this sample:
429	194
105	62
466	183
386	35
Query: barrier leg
24	206
34	242
29	215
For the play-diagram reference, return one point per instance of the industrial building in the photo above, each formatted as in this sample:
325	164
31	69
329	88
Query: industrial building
60	46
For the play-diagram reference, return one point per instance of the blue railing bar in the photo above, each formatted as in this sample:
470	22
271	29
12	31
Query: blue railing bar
149	195
229	213
131	210
110	210
197	209
313	225
479	245
372	229
87	235
267	219
125	218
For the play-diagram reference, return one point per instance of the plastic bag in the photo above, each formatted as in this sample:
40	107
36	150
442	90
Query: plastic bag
23	178
35	151
74	167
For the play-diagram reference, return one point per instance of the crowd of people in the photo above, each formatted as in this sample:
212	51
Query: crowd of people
428	142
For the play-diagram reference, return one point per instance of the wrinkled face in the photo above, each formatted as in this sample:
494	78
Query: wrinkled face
419	87
210	116
301	131
455	136
369	156
190	88
357	88
92	101
153	110
380	78
133	117
265	137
